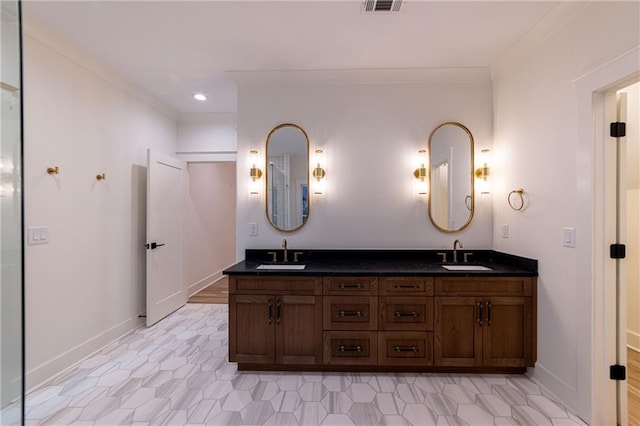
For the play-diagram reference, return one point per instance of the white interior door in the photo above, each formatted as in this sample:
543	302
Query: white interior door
165	199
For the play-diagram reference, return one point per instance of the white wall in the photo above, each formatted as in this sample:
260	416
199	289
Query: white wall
536	146
204	137
210	223
632	262
87	286
371	134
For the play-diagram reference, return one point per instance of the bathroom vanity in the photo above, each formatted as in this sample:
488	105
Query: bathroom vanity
378	310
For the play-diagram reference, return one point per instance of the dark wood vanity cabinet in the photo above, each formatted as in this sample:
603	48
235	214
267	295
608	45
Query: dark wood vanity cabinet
473	323
283	326
485	322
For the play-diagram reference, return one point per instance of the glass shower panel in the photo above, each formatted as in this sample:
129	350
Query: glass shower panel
11	285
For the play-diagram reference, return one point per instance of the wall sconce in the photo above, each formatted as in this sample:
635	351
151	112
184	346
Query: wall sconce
421	173
484	172
101	176
254	172
55	170
318	172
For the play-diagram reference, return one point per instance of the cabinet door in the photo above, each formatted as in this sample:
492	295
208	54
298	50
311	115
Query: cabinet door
251	329
458	331
507	336
298	322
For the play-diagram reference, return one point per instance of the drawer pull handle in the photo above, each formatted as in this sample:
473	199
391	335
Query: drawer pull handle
343	286
488	313
406	286
350	314
399	314
479	317
270	311
405	349
357	348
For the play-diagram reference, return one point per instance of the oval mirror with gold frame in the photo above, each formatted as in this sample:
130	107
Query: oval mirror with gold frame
451	195
287	177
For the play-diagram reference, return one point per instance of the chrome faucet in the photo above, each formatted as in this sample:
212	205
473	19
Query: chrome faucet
455	250
284	247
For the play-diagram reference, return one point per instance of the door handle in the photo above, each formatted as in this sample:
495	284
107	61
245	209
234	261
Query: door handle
153	246
488	313
479	317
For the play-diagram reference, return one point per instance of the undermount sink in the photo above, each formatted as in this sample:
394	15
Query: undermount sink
466	268
281	267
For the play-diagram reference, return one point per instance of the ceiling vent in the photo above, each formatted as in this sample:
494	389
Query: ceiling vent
382	5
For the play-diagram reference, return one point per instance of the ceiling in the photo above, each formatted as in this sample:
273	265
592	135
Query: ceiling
173	49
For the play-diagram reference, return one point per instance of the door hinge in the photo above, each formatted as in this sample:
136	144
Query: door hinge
618	129
617	251
617	372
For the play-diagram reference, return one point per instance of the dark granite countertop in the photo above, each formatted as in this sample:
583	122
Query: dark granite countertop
383	263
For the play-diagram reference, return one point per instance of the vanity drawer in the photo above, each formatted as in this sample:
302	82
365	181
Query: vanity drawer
269	285
350	285
406	313
481	286
408	286
350	313
350	347
405	348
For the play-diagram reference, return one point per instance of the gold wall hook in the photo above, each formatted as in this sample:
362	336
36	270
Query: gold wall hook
55	170
101	176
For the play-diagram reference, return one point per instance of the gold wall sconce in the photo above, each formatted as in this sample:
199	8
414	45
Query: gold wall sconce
421	172
55	170
319	172
254	171
483	172
101	176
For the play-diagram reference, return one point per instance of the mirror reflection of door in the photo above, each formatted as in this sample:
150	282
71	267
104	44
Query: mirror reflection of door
440	194
287	177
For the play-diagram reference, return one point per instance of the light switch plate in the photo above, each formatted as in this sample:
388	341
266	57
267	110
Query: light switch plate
37	235
253	229
569	237
505	231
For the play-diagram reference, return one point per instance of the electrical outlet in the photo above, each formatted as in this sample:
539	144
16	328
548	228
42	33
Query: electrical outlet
253	229
505	231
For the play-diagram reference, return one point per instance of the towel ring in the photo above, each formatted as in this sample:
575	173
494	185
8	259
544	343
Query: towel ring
519	192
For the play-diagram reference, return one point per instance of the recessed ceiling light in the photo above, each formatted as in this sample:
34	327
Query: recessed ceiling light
200	97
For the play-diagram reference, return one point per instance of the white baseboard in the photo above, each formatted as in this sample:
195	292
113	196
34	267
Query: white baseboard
558	390
205	282
633	340
44	373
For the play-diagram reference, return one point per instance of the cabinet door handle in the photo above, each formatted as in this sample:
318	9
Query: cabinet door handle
350	313
343	286
399	314
488	313
479	317
270	311
399	286
405	349
357	348
278	311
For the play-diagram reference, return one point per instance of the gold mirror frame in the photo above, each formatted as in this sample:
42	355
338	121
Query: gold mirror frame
269	177
468	201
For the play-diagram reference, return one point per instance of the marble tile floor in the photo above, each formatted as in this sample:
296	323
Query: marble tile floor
176	373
